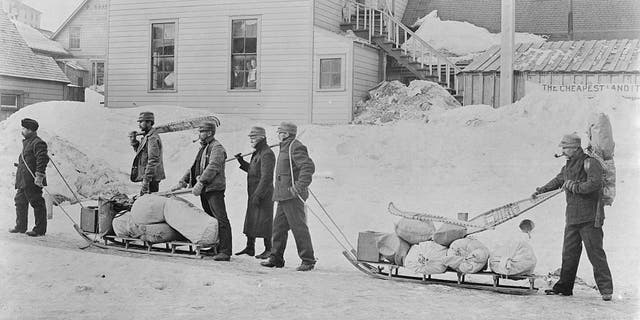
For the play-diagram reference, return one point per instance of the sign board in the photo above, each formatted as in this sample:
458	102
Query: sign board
625	90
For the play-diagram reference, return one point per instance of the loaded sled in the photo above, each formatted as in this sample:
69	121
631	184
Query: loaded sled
104	227
369	260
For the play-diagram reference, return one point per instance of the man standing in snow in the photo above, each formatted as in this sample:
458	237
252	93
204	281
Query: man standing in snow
207	178
147	164
581	178
258	220
294	170
30	179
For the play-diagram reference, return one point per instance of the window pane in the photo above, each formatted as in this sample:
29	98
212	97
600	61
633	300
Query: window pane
237	63
9	100
325	66
238	28
157	31
169	31
335	80
168	47
238	45
251	28
250	45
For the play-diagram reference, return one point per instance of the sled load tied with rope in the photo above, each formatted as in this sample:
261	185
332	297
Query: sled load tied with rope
419	247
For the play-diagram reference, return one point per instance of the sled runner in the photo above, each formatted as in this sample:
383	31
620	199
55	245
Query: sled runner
484	221
387	271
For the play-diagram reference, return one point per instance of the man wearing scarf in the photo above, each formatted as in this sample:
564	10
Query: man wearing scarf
207	178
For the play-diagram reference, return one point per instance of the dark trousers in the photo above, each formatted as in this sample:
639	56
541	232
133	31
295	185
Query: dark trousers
251	243
290	215
154	186
213	205
31	196
574	236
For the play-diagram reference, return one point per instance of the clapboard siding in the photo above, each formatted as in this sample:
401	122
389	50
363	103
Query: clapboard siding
332	106
92	21
34	90
328	14
203	54
365	65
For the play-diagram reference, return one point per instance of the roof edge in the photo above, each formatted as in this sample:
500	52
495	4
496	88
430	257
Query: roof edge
73	14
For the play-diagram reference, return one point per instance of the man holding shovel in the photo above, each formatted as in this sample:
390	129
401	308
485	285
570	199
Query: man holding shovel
30	179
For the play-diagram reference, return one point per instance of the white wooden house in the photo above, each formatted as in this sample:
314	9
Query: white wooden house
84	35
269	60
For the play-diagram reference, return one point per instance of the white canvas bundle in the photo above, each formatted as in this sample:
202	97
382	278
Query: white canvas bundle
192	222
158	233
467	255
426	258
513	258
125	227
148	209
414	231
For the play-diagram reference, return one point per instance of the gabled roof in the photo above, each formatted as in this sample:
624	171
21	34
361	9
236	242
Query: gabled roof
566	56
38	42
18	60
73	14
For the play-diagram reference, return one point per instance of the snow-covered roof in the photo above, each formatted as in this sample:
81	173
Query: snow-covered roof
566	56
18	60
38	41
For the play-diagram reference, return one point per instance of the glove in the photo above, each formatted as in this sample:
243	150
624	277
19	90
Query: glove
39	181
570	186
145	188
241	160
179	186
536	193
197	189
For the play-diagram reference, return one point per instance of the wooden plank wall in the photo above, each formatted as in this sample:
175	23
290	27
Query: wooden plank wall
203	57
366	61
327	14
478	89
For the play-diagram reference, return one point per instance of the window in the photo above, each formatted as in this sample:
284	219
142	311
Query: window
74	38
331	73
97	70
244	54
163	37
9	101
80	81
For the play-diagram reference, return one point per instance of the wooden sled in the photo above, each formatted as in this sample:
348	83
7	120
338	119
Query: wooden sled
387	271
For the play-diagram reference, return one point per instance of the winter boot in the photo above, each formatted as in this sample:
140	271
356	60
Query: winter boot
221	257
267	250
607	297
306	266
271	264
16	230
250	250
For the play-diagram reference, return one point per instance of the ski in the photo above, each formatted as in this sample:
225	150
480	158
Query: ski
391	272
484	221
181	125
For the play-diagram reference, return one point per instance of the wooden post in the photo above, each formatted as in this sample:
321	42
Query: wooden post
507	51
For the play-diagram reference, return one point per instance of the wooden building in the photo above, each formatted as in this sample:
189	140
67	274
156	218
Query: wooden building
25	77
585	67
84	35
268	60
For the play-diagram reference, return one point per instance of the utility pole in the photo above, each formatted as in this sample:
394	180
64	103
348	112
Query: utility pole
506	51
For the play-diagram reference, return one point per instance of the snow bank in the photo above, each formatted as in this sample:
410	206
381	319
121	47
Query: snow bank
392	101
467	159
457	38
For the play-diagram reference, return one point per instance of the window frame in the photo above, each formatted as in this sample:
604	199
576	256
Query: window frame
72	32
149	68
9	107
229	59
343	65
